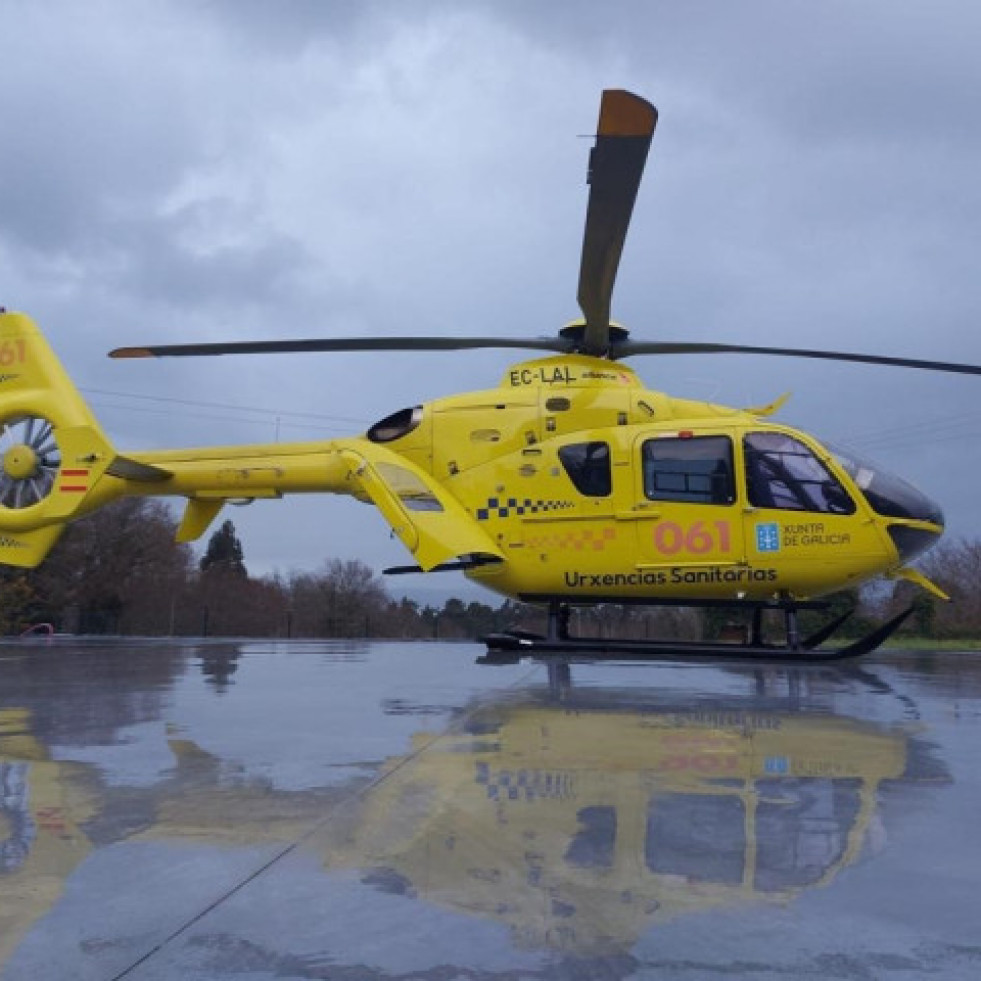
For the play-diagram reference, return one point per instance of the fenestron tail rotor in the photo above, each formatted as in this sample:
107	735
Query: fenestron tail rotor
56	464
29	461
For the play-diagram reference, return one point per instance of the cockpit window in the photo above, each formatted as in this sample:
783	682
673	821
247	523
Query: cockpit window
888	494
803	827
588	467
694	468
781	472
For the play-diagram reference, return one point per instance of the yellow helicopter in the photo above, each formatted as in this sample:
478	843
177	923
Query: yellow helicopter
570	483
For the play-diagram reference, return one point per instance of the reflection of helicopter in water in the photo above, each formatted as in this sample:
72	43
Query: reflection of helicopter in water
41	808
53	813
580	824
568	483
577	823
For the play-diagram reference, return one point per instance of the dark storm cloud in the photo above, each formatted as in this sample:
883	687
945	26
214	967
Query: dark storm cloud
872	68
149	259
283	29
71	160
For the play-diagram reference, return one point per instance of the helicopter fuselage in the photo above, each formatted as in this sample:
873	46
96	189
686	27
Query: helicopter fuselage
594	487
570	481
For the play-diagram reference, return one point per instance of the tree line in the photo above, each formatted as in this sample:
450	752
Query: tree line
120	571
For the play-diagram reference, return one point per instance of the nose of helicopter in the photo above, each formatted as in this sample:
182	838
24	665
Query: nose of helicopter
894	497
913	540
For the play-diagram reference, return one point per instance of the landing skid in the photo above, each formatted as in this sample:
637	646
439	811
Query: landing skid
513	645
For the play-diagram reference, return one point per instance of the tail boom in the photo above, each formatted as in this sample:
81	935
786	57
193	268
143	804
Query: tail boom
56	465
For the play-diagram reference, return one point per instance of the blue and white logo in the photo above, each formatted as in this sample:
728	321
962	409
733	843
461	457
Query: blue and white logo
768	537
778	765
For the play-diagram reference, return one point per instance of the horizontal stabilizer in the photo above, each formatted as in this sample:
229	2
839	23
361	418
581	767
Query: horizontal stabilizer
127	469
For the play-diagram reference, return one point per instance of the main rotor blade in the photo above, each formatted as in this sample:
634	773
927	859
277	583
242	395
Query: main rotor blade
320	344
616	165
627	348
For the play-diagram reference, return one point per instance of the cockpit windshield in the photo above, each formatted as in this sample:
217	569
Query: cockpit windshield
888	494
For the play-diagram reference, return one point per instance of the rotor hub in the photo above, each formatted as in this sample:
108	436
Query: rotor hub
21	461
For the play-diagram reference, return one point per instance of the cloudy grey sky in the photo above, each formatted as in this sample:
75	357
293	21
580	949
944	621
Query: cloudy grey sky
177	171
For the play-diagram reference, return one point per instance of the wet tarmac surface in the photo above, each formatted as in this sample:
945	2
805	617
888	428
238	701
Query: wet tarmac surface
396	811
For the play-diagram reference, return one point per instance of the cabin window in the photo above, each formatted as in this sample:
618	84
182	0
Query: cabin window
781	472
588	467
701	837
697	469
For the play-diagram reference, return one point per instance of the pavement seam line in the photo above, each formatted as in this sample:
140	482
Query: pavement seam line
292	846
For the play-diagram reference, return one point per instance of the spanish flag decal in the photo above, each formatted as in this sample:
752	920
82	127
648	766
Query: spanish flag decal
74	481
